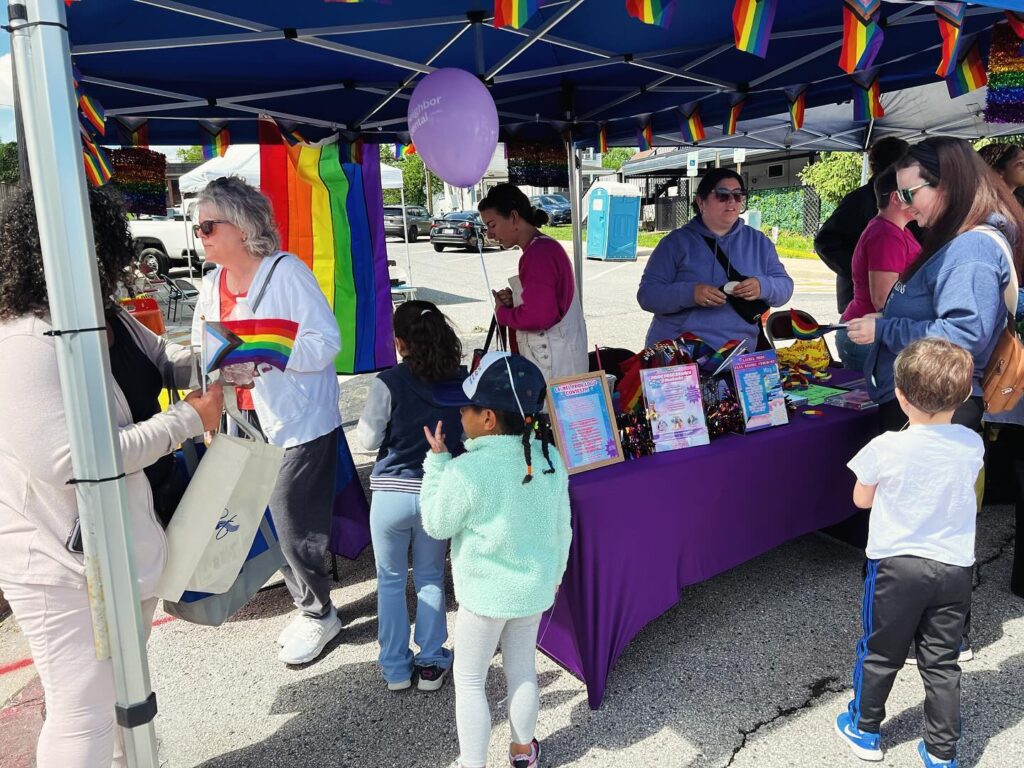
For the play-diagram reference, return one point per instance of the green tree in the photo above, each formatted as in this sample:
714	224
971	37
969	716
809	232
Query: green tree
9	170
833	175
193	154
414	178
616	156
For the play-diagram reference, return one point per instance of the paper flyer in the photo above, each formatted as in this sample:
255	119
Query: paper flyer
675	407
759	390
584	422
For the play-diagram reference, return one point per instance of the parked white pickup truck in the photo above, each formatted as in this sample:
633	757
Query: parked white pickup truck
165	242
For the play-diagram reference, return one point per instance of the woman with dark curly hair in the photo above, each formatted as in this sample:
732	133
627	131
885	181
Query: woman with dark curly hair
400	402
41	572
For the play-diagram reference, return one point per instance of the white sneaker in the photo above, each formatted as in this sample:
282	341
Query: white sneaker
295	623
307	640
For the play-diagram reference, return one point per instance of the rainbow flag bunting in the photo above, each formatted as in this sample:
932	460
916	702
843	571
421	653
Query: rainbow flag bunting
1016	21
862	34
752	25
261	341
98	169
795	97
602	140
329	211
513	13
951	19
729	129
215	141
691	126
867	101
133	134
645	136
657	12
403	151
968	74
92	111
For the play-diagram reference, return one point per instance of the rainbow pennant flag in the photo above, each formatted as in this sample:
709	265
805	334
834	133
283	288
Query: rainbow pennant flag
729	129
691	126
98	169
403	151
796	99
862	34
133	134
328	204
602	140
214	141
969	73
951	19
92	111
752	25
867	101
645	136
657	12
513	13
1016	21
260	341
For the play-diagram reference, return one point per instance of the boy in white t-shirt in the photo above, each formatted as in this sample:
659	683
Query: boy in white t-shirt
919	485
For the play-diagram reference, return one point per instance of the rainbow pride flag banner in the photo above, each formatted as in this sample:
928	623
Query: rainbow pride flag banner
862	34
98	169
867	100
657	12
403	151
690	125
329	208
729	129
602	140
513	13
796	99
1016	21
969	73
752	25
645	136
950	17
214	141
133	132
260	341
92	112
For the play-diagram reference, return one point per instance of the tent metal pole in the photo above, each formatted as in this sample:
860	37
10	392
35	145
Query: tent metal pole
40	44
405	233
574	210
24	174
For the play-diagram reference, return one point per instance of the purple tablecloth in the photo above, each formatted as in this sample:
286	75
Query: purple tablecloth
644	529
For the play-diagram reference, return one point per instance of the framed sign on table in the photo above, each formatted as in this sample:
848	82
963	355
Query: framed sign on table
583	422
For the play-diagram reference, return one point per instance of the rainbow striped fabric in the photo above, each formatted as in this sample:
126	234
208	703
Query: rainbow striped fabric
1016	21
329	206
645	136
92	112
513	13
968	74
796	99
657	12
862	34
867	101
402	151
951	18
215	141
260	341
98	169
133	133
602	140
752	25
803	327
729	129
691	126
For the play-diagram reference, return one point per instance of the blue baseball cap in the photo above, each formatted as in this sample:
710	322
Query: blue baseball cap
502	382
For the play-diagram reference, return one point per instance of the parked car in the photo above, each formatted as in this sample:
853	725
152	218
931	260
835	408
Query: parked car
164	242
460	229
558	209
416	219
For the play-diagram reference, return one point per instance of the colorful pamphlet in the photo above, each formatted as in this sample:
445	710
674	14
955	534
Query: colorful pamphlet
759	390
816	394
856	400
583	422
675	408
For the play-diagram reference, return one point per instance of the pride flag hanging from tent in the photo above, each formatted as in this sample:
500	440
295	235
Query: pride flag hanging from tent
657	12
968	74
867	101
729	129
133	133
403	151
795	97
1016	21
215	141
98	169
513	13
752	25
691	126
92	112
329	208
951	19
862	34
645	136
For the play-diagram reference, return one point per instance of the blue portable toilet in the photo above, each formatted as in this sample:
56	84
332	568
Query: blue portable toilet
613	218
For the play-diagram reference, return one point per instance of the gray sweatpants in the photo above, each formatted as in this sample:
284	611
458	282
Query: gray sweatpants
913	599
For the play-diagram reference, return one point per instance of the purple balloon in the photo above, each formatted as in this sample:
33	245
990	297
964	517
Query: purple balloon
454	125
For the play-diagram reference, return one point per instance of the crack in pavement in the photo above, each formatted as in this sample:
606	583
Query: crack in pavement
817	688
1007	543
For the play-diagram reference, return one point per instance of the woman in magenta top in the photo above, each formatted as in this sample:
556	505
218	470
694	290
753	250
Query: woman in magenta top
542	305
885	249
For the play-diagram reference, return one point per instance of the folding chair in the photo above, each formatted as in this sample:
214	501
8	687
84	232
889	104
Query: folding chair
180	292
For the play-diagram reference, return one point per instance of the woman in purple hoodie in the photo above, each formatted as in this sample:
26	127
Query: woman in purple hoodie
714	276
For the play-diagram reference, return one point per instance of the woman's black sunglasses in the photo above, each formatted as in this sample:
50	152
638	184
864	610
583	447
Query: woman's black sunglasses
206	227
723	195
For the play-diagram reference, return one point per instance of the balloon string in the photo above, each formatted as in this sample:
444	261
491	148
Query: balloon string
487	284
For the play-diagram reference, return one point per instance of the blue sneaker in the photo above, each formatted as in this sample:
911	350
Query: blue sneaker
866	746
929	762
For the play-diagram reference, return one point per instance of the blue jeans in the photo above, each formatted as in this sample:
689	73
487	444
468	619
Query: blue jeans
854	356
394	526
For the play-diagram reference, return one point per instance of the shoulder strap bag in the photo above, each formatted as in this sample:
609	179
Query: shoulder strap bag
1003	383
750	311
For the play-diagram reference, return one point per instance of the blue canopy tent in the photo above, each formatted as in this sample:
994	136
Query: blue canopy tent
576	65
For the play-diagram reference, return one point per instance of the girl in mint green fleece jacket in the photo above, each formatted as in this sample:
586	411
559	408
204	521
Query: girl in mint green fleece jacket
510	544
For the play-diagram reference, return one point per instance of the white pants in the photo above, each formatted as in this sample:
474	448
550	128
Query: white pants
79	730
476	639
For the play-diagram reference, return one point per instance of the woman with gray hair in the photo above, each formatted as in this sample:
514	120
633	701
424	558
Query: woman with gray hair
296	408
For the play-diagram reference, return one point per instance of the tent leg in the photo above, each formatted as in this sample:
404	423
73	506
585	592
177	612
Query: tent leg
39	42
574	211
405	235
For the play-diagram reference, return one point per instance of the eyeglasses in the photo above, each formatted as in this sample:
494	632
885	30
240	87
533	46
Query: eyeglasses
206	227
906	195
723	195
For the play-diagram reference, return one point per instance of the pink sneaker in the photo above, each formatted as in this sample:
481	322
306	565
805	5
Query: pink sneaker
524	760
